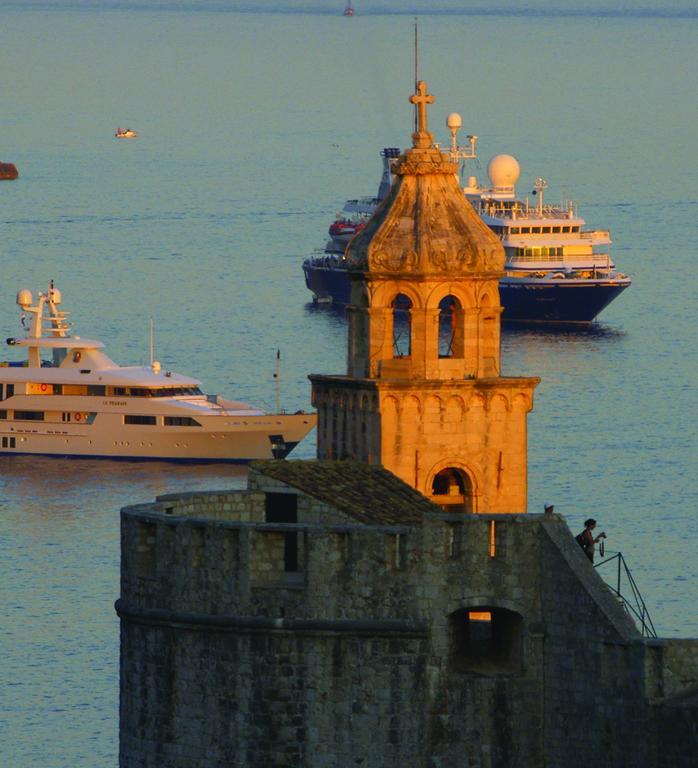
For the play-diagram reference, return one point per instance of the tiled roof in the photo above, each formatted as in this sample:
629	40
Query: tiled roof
370	494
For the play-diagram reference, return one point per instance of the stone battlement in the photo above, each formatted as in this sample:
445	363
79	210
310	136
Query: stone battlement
365	633
179	556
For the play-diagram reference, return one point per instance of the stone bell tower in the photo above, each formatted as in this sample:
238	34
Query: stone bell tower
423	394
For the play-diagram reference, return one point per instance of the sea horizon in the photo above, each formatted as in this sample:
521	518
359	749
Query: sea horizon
532	10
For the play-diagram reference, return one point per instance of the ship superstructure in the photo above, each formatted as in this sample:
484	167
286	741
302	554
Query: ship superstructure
556	269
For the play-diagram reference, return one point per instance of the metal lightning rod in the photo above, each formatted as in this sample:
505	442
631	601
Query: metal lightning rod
416	67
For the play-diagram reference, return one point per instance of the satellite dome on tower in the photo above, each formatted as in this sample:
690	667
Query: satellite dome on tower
503	170
454	120
25	298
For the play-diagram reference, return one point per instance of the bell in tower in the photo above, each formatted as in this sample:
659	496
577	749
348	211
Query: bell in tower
423	395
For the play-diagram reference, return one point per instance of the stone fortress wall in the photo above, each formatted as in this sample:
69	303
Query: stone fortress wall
367	650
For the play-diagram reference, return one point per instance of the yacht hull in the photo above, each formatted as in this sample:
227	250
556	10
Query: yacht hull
531	300
228	439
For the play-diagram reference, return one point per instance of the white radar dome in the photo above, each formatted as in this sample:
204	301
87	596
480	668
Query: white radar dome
503	170
25	298
454	121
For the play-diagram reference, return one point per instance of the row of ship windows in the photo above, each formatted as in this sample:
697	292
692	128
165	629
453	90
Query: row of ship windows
539	251
7	390
169	421
533	230
163	392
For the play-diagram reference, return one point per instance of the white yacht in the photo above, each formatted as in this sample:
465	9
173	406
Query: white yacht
79	402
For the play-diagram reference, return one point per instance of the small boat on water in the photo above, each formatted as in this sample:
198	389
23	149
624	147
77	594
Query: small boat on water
349	10
8	171
125	133
67	398
556	270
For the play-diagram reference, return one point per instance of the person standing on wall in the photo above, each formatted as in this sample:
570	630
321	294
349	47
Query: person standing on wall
586	539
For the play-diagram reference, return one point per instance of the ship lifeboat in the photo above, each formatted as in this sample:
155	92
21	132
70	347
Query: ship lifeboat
343	227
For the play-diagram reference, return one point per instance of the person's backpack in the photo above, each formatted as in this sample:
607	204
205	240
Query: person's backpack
581	540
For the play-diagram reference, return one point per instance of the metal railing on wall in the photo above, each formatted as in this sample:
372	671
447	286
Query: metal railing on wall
626	590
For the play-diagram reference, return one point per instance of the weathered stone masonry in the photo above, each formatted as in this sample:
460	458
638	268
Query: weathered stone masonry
362	655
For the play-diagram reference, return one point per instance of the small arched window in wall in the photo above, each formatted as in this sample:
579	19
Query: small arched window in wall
402	326
486	640
452	489
450	327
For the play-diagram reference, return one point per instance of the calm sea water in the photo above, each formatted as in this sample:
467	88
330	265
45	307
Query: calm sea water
253	131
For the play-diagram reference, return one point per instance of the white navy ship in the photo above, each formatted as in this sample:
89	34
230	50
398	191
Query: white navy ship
556	270
67	398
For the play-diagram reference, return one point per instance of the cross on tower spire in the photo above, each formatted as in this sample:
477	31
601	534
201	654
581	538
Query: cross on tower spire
422	137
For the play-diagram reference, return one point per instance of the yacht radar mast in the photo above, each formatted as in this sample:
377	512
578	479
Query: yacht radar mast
57	318
454	122
538	188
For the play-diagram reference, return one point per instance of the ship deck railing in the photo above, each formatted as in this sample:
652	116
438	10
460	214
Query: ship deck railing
599	262
520	212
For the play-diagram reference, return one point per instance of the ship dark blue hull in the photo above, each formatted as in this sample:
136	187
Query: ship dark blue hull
329	282
526	300
539	300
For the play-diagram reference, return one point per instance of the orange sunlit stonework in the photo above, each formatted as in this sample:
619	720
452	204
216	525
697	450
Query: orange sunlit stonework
423	394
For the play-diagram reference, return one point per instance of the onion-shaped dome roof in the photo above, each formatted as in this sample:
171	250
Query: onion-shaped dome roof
426	224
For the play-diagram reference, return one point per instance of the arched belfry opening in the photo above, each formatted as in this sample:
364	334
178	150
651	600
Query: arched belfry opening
424	327
451	331
402	325
452	489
